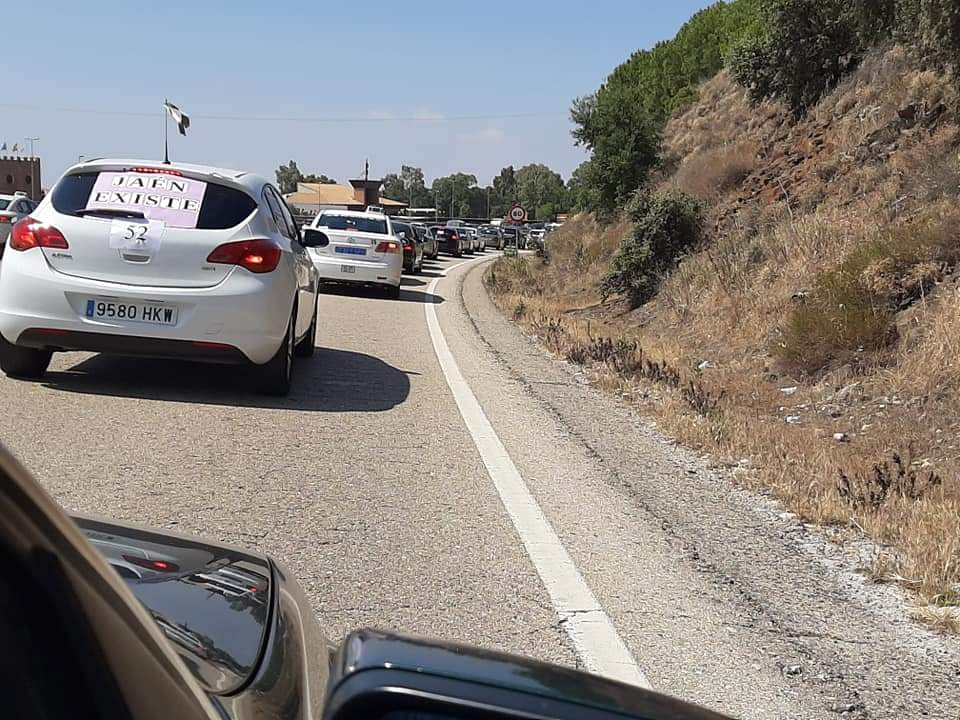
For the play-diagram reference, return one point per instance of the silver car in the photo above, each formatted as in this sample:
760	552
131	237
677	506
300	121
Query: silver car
13	208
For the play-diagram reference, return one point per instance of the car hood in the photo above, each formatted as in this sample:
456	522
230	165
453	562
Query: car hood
212	601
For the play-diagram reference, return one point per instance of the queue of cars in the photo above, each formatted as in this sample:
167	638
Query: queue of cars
187	261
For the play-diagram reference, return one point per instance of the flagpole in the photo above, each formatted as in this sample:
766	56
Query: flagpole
166	130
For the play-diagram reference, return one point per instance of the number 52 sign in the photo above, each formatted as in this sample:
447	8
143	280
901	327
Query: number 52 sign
134	235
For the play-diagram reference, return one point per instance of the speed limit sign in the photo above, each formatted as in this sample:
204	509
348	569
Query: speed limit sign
517	214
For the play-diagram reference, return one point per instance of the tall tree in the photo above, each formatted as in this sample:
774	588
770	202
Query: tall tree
288	176
624	140
408	186
541	191
453	194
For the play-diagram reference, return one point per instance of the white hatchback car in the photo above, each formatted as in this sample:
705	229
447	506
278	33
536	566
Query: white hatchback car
362	249
163	260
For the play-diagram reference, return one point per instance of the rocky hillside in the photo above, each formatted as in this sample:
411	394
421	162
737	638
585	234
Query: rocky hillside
810	341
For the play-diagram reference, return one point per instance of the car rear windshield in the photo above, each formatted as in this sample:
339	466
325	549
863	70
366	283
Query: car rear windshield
221	207
352	222
488	231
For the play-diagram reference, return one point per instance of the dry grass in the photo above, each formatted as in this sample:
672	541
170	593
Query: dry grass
943	619
721	118
710	174
728	304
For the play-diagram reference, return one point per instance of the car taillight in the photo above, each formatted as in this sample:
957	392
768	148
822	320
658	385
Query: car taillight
408	247
29	233
5	219
388	246
158	565
258	256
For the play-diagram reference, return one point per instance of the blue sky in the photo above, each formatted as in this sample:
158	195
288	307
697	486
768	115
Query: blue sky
431	84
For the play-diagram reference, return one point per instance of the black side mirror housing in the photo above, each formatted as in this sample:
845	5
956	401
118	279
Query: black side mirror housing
313	238
379	676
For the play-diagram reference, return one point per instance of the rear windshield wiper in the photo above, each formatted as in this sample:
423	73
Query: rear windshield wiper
111	212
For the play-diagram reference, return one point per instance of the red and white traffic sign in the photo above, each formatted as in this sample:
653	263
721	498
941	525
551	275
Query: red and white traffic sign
517	213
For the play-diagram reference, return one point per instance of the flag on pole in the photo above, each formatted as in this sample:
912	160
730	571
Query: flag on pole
179	117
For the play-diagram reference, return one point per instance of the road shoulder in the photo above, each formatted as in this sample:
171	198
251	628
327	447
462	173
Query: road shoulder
721	599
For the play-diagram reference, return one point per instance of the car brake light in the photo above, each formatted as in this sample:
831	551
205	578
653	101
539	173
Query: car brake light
257	256
158	565
29	233
156	171
5	219
408	247
388	246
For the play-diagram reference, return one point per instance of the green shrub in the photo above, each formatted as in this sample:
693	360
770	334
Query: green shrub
665	225
852	310
802	49
933	24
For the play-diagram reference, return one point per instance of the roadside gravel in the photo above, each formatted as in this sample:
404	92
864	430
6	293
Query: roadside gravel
723	598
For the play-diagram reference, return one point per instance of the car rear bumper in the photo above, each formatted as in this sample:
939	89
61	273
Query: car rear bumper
244	316
67	340
451	247
333	269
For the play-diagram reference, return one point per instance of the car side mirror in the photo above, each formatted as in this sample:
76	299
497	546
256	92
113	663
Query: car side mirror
313	238
379	676
402	235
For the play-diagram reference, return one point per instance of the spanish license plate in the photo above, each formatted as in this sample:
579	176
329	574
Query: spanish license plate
350	250
348	269
131	311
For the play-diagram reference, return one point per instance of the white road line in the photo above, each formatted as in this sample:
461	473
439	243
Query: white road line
597	643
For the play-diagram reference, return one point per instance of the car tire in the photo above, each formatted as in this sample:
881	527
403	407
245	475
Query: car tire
458	253
393	292
306	347
276	376
23	363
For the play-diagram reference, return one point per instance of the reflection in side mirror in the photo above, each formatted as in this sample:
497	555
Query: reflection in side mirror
378	676
313	238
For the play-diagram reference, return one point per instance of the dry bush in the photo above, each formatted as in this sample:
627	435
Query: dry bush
709	174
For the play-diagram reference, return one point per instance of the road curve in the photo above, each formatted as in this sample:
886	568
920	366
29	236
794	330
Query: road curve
368	484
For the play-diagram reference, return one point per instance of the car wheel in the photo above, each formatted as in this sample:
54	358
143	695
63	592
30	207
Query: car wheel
23	363
276	376
393	292
306	347
458	253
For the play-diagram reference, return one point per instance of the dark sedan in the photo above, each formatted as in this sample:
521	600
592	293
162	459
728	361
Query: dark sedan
412	247
453	241
431	247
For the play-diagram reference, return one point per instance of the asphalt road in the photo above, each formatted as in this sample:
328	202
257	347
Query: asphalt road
368	485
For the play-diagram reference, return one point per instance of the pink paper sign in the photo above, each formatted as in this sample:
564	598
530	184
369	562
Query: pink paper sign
173	199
